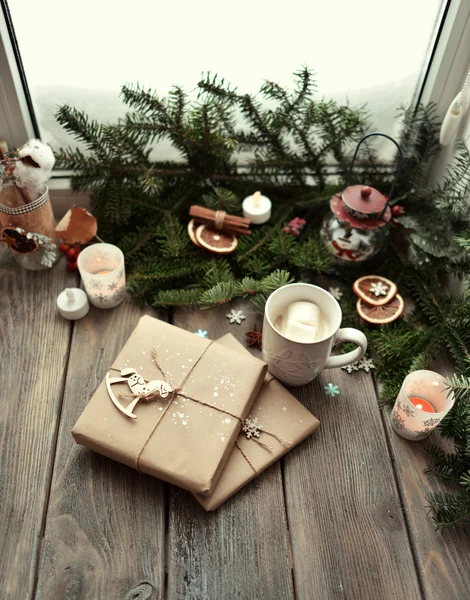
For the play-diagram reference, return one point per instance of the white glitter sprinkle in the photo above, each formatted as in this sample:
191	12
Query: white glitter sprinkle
184	422
215	394
228	420
284	408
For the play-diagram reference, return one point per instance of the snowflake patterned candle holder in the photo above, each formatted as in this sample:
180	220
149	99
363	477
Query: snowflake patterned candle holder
103	274
423	401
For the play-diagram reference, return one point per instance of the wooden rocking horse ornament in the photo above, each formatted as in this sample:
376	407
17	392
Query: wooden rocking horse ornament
141	389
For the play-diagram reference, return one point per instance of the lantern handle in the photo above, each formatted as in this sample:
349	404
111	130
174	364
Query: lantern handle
399	167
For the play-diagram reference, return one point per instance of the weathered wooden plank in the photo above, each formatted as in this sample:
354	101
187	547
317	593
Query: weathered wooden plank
443	559
348	533
241	550
33	356
105	526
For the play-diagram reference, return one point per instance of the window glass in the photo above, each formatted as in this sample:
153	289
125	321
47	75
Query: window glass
81	53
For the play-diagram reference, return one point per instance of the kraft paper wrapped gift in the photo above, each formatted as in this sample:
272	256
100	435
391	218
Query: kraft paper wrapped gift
186	437
283	423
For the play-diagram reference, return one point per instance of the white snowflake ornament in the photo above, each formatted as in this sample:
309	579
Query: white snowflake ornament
235	316
350	368
336	293
364	364
251	428
378	289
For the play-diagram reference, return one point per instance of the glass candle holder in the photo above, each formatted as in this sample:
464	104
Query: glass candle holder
103	274
423	401
33	226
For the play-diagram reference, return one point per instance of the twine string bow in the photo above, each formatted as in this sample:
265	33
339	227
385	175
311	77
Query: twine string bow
219	219
250	426
174	393
252	429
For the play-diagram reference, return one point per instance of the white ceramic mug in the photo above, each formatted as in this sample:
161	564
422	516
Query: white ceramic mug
298	363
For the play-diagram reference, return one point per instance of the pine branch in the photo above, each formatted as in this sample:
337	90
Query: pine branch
177	298
221	293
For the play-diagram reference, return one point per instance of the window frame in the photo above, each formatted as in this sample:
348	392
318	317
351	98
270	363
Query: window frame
447	64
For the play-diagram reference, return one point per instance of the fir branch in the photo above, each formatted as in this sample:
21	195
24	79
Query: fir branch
222	199
177	298
449	509
221	293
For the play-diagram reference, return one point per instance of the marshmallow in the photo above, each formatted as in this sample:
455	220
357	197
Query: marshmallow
302	322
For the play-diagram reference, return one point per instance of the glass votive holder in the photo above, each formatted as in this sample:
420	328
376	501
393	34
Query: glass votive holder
103	274
423	401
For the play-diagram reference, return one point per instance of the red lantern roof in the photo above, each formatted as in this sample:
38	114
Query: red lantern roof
364	199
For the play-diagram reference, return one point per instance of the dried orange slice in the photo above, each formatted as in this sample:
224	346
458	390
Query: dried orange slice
192	232
375	289
219	242
380	315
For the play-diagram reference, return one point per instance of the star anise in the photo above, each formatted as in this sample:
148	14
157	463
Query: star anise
255	337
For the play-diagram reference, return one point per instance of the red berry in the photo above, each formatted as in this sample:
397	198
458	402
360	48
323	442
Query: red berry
72	266
72	255
64	247
397	211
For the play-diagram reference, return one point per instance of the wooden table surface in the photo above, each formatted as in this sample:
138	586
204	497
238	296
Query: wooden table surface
343	515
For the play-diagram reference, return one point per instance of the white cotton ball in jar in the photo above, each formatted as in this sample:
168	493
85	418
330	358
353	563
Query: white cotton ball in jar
30	177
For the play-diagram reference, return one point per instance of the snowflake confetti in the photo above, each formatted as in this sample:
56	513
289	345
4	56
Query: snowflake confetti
201	333
365	364
331	390
378	288
235	316
336	293
251	428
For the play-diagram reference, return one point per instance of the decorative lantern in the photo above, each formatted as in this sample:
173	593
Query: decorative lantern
356	227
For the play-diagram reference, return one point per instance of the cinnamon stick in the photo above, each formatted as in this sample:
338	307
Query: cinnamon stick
220	220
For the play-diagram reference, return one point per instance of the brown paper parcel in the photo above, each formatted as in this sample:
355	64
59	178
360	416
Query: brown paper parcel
278	413
188	442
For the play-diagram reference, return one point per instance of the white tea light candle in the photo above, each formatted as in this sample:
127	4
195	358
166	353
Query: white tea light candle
257	208
73	304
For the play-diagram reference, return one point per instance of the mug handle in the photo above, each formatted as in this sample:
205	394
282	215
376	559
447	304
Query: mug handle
348	334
